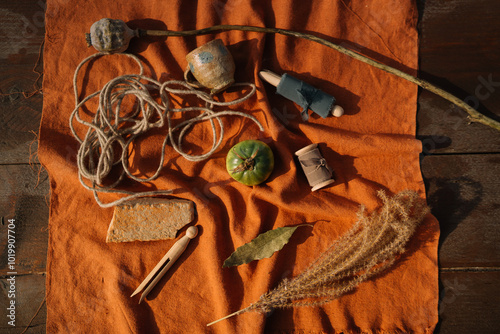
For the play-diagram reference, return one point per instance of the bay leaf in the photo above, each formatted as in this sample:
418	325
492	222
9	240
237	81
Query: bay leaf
263	246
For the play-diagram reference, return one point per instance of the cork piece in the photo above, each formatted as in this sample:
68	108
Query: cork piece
149	219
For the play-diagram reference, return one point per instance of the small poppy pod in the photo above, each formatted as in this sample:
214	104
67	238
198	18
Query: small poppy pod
110	36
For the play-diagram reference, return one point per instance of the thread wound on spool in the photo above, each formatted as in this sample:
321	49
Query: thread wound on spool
315	167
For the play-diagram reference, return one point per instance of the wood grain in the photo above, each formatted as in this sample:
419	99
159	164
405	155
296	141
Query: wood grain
22	30
19	122
469	303
29	295
463	193
22	199
459	52
459	43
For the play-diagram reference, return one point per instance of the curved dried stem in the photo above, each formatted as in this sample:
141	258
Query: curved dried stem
229	316
474	115
371	246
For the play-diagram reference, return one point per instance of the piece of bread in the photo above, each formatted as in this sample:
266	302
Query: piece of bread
149	219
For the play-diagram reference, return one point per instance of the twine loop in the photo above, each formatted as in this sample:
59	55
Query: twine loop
317	163
116	125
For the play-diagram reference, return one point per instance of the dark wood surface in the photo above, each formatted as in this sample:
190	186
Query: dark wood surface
459	50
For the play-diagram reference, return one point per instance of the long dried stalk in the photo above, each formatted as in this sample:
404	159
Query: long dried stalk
368	248
474	115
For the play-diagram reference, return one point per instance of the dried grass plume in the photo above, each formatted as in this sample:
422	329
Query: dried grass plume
367	249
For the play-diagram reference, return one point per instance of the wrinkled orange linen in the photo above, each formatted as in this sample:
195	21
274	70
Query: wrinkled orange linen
372	147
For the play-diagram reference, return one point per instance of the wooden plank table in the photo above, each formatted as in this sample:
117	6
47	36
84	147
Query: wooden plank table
459	50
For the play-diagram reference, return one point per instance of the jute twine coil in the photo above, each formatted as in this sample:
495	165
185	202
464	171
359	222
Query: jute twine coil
115	126
315	167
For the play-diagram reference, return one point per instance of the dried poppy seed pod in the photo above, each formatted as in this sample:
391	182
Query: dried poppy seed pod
110	36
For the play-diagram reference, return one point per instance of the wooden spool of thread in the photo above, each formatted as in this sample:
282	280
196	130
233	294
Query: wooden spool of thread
317	171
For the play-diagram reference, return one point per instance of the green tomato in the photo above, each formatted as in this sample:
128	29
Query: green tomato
250	162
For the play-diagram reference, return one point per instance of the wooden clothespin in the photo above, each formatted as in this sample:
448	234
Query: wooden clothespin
165	263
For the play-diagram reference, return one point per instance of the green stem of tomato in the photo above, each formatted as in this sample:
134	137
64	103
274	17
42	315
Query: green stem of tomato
247	164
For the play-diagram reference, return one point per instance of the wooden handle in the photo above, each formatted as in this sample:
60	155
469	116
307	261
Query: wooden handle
274	79
270	77
337	111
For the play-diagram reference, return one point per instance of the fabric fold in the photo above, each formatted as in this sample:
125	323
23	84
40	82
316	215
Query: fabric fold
371	147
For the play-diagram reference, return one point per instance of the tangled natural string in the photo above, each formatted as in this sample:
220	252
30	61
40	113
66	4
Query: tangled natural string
116	125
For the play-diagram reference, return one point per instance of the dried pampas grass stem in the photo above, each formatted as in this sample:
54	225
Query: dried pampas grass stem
367	249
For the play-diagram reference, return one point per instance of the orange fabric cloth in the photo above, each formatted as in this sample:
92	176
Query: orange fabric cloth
371	147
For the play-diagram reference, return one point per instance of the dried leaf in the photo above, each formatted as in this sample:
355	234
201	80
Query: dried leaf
371	246
265	245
